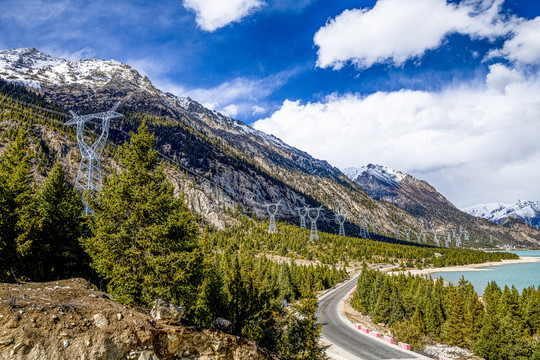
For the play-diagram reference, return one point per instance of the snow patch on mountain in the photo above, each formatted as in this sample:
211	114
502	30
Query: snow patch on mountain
34	69
497	212
380	172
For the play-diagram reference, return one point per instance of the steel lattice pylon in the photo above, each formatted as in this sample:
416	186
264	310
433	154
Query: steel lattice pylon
341	217
272	214
314	234
89	175
302	212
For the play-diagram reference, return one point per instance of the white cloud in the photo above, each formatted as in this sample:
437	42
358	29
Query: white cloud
214	14
257	110
247	95
471	136
397	30
524	46
230	110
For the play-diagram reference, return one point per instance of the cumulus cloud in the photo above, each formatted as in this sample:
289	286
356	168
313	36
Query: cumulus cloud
524	46
394	31
214	14
479	130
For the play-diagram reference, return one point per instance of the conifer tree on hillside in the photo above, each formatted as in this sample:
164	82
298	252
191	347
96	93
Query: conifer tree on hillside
488	341
143	238
456	327
54	251
16	204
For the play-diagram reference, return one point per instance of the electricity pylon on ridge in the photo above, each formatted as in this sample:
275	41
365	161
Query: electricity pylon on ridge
89	174
341	217
314	234
374	223
364	231
302	212
272	214
436	238
408	232
396	228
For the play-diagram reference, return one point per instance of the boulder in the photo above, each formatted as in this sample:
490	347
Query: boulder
222	324
166	312
101	321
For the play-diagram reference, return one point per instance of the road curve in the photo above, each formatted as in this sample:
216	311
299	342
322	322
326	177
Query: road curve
348	343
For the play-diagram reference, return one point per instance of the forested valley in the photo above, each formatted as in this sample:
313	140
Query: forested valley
141	243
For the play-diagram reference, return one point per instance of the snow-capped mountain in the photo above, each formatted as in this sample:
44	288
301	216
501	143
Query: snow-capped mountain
245	166
525	210
64	80
383	173
386	184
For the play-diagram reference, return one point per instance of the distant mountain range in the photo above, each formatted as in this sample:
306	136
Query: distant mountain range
225	164
525	210
429	206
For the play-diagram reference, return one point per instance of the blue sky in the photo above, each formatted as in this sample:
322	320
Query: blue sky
446	90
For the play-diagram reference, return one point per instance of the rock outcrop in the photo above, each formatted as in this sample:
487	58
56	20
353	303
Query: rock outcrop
69	320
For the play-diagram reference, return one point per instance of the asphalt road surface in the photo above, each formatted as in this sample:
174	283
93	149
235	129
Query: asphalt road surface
348	343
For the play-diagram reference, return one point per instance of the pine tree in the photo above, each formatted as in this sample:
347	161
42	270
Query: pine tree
488	342
286	289
513	342
55	251
143	238
383	307
300	339
532	312
455	328
16	205
434	315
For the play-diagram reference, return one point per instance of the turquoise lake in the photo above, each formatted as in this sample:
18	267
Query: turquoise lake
519	275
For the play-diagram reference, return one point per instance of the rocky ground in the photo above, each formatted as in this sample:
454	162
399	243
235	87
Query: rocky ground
69	320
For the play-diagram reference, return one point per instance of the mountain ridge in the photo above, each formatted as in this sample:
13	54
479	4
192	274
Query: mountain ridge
526	210
254	167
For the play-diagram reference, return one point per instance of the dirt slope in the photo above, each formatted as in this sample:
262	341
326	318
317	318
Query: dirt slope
69	320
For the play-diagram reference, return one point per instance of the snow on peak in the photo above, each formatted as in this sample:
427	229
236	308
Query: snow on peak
498	212
26	59
378	171
30	66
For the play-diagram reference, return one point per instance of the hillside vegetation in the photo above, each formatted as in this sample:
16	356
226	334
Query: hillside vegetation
501	325
143	241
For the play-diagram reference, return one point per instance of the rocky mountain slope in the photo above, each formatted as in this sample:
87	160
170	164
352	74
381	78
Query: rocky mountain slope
219	163
423	201
525	210
69	320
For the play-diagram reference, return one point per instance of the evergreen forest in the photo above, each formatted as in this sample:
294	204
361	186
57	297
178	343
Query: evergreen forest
503	324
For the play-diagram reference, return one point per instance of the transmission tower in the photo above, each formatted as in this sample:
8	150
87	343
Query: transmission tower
396	228
89	175
314	234
364	231
341	217
272	214
374	223
408	232
302	212
436	238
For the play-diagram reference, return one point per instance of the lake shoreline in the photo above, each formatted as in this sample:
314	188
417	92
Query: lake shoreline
471	267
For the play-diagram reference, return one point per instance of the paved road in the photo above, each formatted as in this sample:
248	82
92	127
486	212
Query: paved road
345	340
